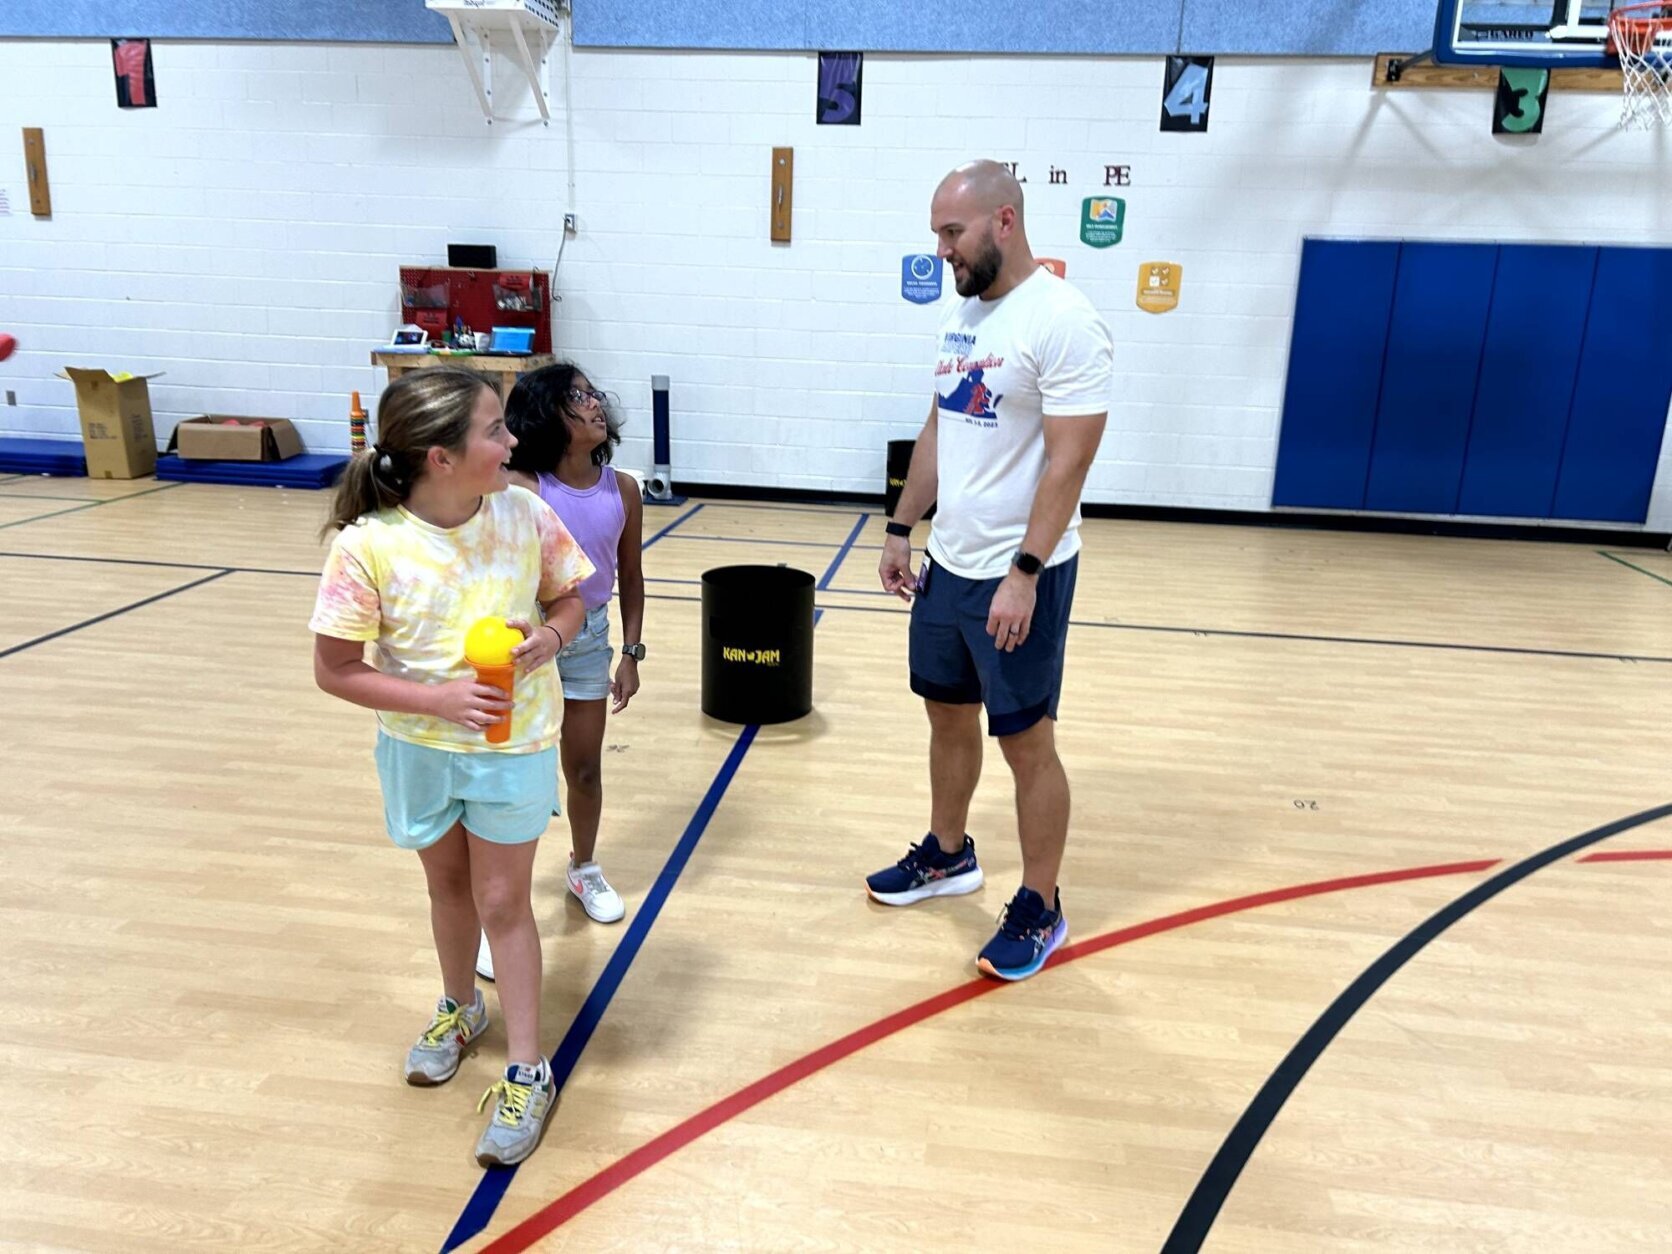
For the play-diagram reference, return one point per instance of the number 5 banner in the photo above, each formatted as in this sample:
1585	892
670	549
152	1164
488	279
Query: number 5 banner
1184	99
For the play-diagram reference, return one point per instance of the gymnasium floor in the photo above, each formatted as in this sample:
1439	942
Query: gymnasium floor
1290	751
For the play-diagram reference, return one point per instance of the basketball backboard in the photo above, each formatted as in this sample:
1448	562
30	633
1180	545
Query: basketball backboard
1534	33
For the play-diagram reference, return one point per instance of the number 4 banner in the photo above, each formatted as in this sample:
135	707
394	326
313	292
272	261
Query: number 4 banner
1184	100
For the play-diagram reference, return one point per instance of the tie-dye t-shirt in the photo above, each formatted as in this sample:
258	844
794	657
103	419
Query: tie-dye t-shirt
414	590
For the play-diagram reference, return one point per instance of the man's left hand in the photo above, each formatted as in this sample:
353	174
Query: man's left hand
1011	613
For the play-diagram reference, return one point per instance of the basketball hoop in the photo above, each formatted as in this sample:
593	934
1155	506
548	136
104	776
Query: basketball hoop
1641	36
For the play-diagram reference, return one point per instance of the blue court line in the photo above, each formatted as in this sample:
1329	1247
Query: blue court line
664	531
847	545
91	622
801	544
479	1211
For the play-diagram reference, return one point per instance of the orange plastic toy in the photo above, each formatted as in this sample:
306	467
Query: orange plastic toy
487	647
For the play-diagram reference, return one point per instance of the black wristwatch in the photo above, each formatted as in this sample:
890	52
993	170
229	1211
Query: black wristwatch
1027	563
903	530
634	651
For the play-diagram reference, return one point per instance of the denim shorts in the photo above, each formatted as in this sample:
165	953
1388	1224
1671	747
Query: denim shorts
507	798
953	660
584	663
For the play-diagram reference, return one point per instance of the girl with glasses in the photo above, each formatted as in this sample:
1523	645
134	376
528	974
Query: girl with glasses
566	435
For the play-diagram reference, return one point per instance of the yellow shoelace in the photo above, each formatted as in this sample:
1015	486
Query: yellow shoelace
444	1025
513	1101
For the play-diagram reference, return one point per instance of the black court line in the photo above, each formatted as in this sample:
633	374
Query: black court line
1211	1191
1152	628
151	600
76	509
1632	566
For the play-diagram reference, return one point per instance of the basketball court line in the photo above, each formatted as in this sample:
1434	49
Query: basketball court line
1154	628
694	510
106	617
1195	1221
841	555
1632	566
76	509
635	1163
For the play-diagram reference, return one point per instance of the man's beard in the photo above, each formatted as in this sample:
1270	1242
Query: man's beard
983	272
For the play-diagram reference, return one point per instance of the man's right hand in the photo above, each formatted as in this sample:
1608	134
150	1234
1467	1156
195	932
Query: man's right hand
895	568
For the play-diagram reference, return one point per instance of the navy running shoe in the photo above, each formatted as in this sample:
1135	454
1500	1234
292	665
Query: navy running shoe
1028	934
926	872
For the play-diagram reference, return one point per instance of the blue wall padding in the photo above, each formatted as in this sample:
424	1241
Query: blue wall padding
1440	301
1152	27
1620	399
1310	27
1514	380
1335	370
353	21
1533	337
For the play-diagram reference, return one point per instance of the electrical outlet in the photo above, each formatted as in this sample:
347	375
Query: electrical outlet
569	223
11	397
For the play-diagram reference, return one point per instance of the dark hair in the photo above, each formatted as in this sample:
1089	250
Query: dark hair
534	412
417	412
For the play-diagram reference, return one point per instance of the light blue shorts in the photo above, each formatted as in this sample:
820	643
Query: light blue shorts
584	663
507	798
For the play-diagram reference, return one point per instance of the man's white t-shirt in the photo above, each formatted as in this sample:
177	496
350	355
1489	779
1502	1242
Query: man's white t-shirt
1005	365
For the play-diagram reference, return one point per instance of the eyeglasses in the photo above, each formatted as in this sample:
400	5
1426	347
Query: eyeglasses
580	396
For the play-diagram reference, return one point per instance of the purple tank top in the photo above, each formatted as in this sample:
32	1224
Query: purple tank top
595	516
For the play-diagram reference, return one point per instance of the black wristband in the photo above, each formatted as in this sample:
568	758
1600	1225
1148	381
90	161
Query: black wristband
897	529
556	633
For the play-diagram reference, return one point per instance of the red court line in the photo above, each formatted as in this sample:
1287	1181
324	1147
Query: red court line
1630	855
554	1214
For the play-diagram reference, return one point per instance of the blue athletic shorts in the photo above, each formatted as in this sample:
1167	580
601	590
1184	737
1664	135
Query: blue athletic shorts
953	660
508	798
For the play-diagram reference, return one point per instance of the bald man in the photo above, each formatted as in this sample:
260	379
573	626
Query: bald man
1022	387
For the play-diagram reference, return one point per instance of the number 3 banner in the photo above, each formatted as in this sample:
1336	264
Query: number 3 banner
1184	100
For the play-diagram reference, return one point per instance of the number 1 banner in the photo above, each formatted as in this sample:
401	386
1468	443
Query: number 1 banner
1184	99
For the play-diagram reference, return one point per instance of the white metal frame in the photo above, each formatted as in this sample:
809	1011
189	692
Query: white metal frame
533	28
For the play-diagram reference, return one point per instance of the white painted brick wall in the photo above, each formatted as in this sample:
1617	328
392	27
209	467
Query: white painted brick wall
245	236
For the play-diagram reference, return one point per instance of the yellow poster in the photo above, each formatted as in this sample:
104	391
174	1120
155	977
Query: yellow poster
1158	285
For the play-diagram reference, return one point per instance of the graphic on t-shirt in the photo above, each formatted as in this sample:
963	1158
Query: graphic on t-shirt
972	396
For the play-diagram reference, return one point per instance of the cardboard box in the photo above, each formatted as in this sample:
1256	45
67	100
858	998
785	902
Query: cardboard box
116	426
230	438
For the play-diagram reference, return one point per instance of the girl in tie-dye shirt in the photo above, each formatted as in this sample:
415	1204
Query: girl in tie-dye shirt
430	537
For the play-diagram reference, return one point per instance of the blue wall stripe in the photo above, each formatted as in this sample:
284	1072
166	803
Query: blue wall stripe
366	21
1319	27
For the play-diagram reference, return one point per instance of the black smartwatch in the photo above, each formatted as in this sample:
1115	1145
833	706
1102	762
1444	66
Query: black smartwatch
1027	563
634	651
897	529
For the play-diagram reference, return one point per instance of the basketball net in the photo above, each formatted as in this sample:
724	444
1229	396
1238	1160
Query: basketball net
1638	34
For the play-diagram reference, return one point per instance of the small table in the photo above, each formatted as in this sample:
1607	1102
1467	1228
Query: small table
502	372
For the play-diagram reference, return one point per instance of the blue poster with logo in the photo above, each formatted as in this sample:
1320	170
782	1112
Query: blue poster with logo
920	278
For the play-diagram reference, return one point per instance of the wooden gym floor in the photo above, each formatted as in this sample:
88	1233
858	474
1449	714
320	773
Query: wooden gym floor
1325	994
